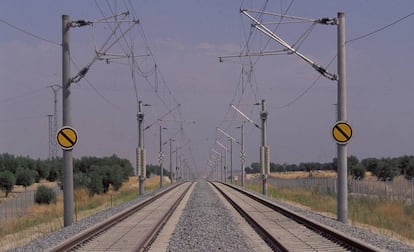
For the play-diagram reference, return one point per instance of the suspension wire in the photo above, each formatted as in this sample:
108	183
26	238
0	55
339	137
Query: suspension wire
379	29
302	94
29	33
158	77
21	96
94	88
302	38
131	51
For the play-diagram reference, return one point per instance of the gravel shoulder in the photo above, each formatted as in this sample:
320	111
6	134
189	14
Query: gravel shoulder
208	225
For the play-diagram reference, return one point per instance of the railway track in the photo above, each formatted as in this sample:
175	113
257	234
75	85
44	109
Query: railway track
134	229
284	230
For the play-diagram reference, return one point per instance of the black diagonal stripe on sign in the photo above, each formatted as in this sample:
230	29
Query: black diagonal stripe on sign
67	137
342	132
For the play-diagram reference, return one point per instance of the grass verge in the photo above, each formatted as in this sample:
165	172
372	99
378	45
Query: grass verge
43	219
390	218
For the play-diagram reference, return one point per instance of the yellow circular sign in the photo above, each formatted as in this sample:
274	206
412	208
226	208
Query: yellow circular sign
342	132
67	137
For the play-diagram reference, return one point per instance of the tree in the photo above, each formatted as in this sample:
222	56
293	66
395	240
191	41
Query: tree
352	161
370	164
42	168
51	169
385	170
404	163
256	167
409	172
45	195
358	171
7	181
276	167
95	185
25	177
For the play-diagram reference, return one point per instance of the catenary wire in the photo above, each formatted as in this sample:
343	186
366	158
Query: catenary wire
380	29
94	88
29	33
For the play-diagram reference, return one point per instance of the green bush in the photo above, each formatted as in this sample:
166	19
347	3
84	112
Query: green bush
25	177
45	195
7	181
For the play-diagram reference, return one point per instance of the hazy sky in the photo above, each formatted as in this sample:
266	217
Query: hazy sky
186	38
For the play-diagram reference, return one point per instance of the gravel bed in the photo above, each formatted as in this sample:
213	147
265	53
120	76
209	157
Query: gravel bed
206	225
53	239
378	240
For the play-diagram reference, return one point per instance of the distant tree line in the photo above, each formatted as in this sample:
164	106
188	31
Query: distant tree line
18	170
155	170
99	174
96	174
385	169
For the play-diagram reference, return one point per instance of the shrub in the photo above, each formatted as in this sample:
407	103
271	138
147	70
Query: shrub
7	181
45	195
25	177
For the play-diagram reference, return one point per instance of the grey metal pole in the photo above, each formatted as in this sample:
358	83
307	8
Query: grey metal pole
264	150
176	161
231	160
161	160
55	89
180	168
140	117
342	204
221	166
51	136
242	157
171	177
225	165
68	209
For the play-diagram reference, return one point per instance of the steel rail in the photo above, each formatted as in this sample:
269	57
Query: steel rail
87	234
144	246
329	233
268	238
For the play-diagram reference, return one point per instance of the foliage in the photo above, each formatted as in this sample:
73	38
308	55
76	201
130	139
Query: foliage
96	174
385	170
50	169
254	168
45	195
370	164
409	171
358	171
155	170
7	181
25	177
274	167
99	174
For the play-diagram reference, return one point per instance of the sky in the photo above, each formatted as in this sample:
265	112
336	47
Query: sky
185	39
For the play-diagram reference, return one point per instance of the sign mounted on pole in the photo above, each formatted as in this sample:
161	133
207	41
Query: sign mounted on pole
67	137
342	132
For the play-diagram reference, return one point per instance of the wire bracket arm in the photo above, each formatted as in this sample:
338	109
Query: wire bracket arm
258	25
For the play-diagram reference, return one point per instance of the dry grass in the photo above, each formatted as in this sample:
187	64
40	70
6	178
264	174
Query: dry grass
303	174
390	218
43	219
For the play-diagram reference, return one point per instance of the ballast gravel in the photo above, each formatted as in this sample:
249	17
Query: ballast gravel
53	239
206	225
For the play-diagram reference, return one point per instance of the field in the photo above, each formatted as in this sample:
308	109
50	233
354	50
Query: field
387	217
393	218
43	219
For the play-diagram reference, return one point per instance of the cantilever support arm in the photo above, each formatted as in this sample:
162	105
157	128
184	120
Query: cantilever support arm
258	25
